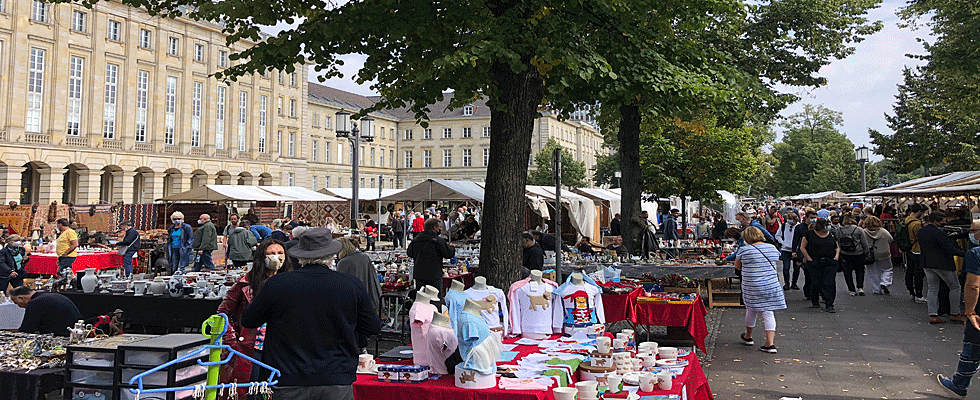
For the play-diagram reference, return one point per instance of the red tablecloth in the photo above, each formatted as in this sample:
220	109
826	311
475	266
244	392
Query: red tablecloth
466	278
367	387
48	265
690	316
618	307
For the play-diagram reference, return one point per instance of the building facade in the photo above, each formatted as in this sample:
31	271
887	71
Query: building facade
111	104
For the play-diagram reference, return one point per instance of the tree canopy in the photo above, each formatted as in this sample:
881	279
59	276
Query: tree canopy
814	156
573	172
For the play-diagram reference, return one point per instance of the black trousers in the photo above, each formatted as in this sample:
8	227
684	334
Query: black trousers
853	269
914	274
398	239
824	274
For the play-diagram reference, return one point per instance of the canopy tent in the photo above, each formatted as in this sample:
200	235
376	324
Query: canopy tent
440	189
649	206
821	196
615	204
581	209
729	204
209	193
300	193
362	193
951	183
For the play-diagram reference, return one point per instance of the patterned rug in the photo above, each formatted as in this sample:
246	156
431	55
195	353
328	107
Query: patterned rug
96	217
316	213
144	216
41	220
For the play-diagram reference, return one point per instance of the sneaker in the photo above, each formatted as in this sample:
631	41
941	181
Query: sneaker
884	289
957	319
746	341
948	384
768	349
814	306
853	294
860	292
921	300
935	319
794	287
830	310
785	288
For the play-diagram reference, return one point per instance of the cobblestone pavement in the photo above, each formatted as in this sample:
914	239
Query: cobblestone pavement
874	347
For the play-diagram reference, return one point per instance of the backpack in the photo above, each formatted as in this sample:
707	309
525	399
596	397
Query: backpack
902	237
848	243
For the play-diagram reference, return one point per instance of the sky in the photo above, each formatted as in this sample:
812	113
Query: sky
861	86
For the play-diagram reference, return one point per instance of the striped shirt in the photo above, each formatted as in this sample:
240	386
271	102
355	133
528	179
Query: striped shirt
761	290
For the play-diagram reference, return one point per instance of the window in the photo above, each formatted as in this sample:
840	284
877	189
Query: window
408	134
326	151
263	118
219	133
426	158
467	132
279	106
486	131
222	59
291	179
328	122
171	110
196	114
292	144
391	133
39	11
486	157
427	134
198	52
316	120
447	158
35	90
447	133
292	79
315	150
242	120
145	39
391	159
279	142
173	46
468	111
282	77
110	97
76	68
391	183
360	153
372	183
340	155
113	30
326	181
292	108
407	159
372	158
314	183
142	93
78	21
467	158
381	158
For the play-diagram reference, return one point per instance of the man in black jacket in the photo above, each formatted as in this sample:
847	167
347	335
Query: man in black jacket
428	249
131	241
12	260
533	254
315	317
548	241
798	233
937	261
615	226
44	312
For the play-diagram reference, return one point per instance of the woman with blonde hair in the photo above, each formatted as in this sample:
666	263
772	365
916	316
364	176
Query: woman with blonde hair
760	286
880	270
179	243
355	262
332	225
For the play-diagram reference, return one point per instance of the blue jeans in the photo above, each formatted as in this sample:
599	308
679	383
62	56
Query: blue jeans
64	266
969	358
128	259
204	261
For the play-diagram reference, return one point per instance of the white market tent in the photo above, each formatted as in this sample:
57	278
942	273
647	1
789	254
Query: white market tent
820	196
440	189
227	193
301	193
649	206
362	193
952	183
581	209
614	199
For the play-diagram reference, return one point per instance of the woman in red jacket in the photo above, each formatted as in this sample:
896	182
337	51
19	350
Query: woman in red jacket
269	259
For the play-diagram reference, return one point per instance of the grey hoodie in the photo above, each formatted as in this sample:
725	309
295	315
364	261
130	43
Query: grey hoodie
880	242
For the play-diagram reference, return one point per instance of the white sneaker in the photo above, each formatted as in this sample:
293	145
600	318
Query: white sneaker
921	300
860	292
853	294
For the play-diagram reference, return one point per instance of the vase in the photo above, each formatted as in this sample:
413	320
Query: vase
88	280
157	287
176	285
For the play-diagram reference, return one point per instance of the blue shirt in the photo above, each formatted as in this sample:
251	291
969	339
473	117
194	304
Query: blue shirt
765	232
455	301
472	332
971	261
175	238
260	231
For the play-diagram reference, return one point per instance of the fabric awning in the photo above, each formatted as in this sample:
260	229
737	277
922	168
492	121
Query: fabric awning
362	193
300	193
227	193
954	182
440	189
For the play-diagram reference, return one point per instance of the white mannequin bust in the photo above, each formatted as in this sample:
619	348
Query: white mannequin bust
473	308
577	278
480	283
431	291
536	277
422	297
457	286
440	319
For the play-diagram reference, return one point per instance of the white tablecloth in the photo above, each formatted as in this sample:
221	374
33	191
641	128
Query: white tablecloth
10	315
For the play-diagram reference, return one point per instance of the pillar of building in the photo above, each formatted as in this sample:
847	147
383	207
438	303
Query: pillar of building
89	186
51	185
10	180
122	187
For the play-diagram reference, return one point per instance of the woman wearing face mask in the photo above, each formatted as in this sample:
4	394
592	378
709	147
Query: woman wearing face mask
12	259
179	243
798	233
785	236
269	259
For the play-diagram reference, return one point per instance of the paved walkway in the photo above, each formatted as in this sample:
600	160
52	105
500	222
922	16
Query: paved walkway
874	347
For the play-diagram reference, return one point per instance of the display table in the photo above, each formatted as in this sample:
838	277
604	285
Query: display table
11	315
690	316
47	264
29	385
692	381
619	307
156	311
467	279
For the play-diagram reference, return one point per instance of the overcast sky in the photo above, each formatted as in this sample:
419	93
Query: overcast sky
861	86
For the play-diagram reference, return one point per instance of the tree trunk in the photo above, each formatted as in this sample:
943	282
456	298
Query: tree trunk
512	118
632	177
683	216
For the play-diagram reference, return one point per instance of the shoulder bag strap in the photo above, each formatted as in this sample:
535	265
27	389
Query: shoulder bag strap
767	257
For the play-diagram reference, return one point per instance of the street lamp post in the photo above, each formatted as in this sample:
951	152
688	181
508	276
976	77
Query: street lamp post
355	136
861	154
619	176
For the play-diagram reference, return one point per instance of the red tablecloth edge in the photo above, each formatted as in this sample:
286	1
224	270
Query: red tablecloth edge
690	316
45	265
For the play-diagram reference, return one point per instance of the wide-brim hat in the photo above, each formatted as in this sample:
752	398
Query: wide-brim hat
315	243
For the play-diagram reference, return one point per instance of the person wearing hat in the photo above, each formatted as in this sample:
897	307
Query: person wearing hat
12	260
129	245
314	318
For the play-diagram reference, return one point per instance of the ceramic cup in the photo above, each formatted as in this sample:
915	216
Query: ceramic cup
637	364
667	352
614	382
649	360
365	362
665	380
587	389
625	337
647	381
619	344
564	393
647	347
628	332
603	344
621	358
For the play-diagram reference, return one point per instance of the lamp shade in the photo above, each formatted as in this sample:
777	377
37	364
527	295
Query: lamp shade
343	122
861	154
367	128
